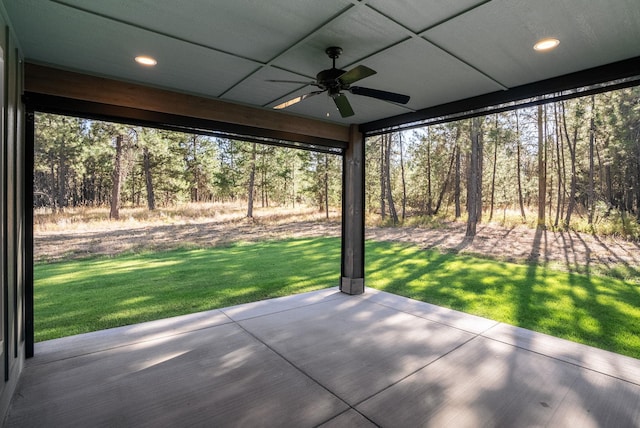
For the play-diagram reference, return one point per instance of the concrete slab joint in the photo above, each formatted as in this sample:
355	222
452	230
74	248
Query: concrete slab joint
352	286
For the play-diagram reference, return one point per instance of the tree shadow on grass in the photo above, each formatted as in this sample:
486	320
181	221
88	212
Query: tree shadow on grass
598	311
618	266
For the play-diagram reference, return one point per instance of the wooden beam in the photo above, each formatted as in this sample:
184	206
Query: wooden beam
52	81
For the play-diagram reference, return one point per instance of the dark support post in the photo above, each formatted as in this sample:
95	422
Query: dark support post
352	280
28	231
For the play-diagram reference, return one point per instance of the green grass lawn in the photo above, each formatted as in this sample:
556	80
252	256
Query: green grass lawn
79	296
595	310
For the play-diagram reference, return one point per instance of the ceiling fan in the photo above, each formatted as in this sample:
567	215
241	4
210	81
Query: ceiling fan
334	81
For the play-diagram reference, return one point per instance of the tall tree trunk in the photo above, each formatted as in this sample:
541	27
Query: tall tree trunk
446	180
326	185
252	181
637	180
591	203
495	165
542	172
117	177
383	181
457	190
628	191
62	176
429	192
392	207
196	178
261	186
263	182
546	156
518	167
151	198
474	178
572	152
293	184
560	166
53	184
480	166
609	186
403	178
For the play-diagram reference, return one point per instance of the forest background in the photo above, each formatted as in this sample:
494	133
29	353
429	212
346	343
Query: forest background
569	165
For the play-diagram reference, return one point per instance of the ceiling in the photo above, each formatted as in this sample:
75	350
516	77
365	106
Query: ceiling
436	51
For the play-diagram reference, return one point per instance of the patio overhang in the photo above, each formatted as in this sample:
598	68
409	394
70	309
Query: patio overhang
223	66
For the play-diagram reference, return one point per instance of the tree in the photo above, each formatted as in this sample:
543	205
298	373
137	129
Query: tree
59	159
445	185
383	179
474	186
572	145
495	166
252	180
428	174
151	199
387	140
518	166
114	213
591	203
560	167
457	186
542	171
403	178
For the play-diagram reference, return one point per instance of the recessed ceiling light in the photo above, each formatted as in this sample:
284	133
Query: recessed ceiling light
546	44
146	60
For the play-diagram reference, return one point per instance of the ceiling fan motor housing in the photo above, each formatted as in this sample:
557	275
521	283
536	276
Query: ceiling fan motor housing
328	79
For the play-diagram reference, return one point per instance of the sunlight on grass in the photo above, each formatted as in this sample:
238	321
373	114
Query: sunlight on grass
79	296
86	295
598	311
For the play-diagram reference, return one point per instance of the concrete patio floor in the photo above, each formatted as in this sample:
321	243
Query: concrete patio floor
325	359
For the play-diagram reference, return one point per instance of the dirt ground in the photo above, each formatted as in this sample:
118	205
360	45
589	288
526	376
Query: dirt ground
575	251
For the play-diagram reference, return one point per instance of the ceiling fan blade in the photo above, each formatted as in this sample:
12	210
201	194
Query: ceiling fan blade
355	74
296	100
381	95
343	105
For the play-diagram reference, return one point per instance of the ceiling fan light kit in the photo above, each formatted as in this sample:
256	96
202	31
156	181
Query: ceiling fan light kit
334	81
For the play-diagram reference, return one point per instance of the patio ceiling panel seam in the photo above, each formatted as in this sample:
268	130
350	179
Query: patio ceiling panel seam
298	43
293	46
154	31
455	15
420	36
259	64
618	75
465	62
